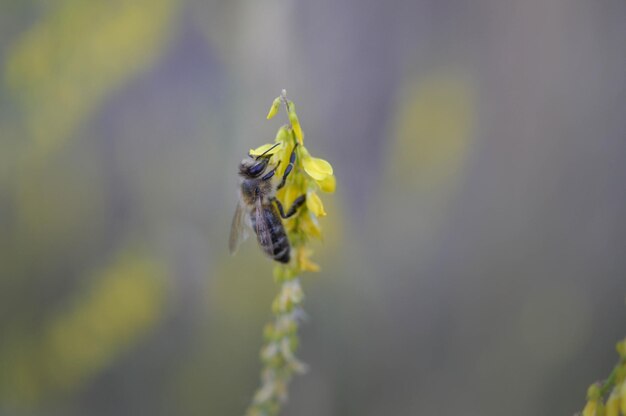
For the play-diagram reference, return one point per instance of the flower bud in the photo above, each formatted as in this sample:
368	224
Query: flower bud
282	135
314	204
328	184
274	108
593	392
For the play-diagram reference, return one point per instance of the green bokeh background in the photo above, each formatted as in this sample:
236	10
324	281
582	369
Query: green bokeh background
473	260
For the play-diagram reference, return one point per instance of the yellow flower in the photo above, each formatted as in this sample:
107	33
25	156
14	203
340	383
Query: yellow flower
319	170
621	348
295	123
274	108
612	405
290	193
328	184
316	168
314	204
593	408
309	225
264	149
308	175
304	260
622	395
593	392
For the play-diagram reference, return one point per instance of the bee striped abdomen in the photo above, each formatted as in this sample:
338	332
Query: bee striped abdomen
275	244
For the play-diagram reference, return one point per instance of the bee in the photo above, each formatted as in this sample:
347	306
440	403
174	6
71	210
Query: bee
259	209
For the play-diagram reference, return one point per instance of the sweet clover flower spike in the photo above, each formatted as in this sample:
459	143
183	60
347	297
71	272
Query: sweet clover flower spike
614	386
309	176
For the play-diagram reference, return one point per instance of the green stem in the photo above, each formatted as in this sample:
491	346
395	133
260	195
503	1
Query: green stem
609	383
279	363
278	352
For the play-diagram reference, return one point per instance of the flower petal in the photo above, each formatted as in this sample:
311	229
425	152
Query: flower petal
328	184
317	168
282	135
284	156
292	191
274	108
314	204
309	225
297	130
304	260
295	123
262	149
612	405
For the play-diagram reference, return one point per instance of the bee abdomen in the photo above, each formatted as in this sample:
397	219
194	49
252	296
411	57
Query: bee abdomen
277	245
279	249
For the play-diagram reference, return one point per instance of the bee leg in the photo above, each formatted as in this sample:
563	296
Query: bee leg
289	167
269	174
294	207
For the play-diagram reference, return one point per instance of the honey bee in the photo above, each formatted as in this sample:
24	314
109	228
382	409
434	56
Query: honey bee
259	208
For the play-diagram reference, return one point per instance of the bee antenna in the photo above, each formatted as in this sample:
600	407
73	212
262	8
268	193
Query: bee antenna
263	154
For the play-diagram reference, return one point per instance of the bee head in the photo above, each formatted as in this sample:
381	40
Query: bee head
253	167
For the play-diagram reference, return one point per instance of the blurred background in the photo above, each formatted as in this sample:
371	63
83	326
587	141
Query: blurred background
473	260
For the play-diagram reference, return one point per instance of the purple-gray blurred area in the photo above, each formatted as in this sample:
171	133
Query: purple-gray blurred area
473	260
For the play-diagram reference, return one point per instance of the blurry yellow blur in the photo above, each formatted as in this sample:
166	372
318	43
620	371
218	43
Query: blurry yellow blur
58	72
64	66
85	334
433	128
472	260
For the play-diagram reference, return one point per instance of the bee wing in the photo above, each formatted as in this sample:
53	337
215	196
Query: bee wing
238	232
262	228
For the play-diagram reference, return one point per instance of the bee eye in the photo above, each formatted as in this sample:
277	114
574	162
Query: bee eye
255	170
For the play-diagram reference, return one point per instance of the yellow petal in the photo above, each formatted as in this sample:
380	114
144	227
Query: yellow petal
283	273
297	130
612	405
262	149
328	184
274	108
593	392
591	408
291	193
308	225
295	123
304	262
622	394
284	159
317	168
314	204
282	135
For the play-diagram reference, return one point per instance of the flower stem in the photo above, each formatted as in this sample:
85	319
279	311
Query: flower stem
278	352
281	333
609	383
